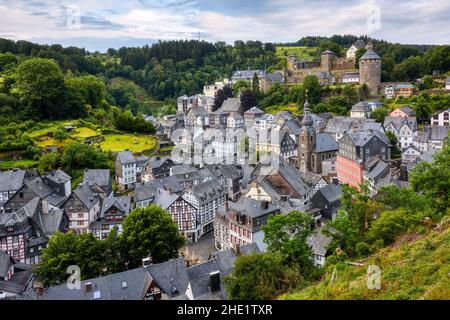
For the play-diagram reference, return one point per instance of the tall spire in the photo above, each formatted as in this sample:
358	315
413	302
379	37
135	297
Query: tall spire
307	120
306	110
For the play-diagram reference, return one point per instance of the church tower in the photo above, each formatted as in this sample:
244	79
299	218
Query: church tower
307	141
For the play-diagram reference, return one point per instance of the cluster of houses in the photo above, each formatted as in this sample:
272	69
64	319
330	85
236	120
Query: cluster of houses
231	201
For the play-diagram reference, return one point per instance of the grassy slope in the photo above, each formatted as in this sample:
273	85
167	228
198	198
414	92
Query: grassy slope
416	268
275	109
22	164
301	52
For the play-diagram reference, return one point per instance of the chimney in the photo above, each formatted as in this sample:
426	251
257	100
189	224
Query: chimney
39	288
265	204
226	206
88	287
214	281
370	132
237	249
147	261
45	206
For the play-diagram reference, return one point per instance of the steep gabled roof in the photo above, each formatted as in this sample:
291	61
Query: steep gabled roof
170	276
325	143
231	105
21	215
249	207
86	195
399	122
126	157
121	203
100	177
11	180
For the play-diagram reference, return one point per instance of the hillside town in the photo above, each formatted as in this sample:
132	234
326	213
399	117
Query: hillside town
229	171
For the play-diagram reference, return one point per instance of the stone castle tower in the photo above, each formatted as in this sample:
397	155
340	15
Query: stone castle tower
370	70
307	140
326	60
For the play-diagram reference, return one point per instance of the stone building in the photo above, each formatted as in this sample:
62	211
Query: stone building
370	70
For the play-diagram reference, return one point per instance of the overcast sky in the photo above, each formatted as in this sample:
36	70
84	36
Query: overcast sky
103	24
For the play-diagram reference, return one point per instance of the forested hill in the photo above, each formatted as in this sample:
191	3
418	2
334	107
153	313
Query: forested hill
168	69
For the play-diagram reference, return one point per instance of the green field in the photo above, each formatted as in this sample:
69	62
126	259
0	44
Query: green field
84	133
301	52
22	164
120	142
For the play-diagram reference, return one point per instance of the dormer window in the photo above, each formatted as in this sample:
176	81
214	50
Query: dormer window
10	229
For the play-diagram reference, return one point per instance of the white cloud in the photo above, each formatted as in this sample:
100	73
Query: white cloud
412	21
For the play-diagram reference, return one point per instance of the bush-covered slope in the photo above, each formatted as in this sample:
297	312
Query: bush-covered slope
415	267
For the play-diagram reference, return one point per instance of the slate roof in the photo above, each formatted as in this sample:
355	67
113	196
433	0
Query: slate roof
51	221
100	177
359	44
398	122
231	105
86	195
11	180
362	106
18	283
40	187
141	161
370	125
247	74
254	110
21	215
439	133
121	203
127	285
294	178
165	199
226	259
199	277
198	111
144	192
5	263
380	170
325	143
319	242
58	176
249	207
427	156
207	191
275	76
157	162
360	138
408	110
293	126
342	124
327	195
170	183
126	157
370	55
170	275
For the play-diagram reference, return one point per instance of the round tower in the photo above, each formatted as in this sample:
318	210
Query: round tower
370	70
